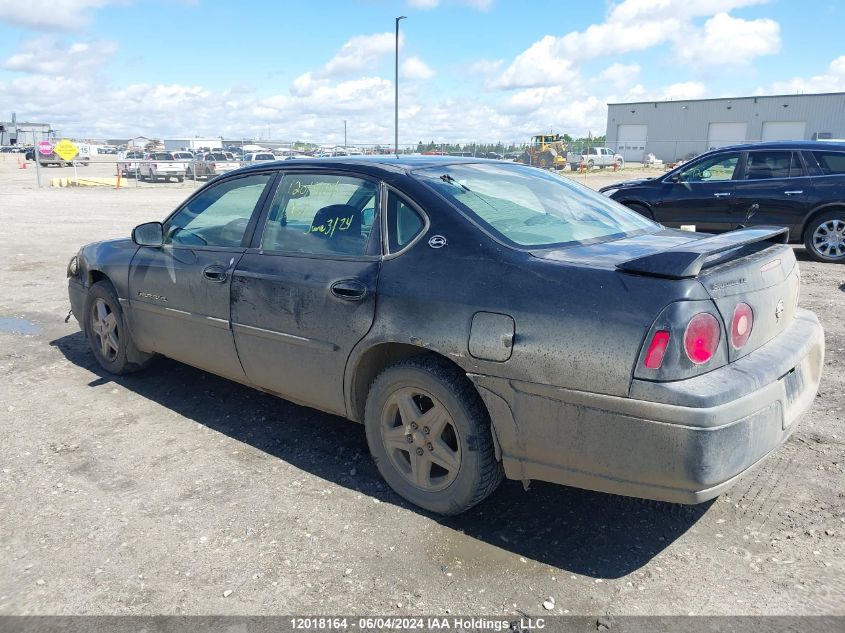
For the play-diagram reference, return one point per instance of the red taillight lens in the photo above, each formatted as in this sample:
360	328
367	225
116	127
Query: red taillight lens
657	349
741	324
702	338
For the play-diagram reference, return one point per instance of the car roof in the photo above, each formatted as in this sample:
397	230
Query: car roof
387	162
807	145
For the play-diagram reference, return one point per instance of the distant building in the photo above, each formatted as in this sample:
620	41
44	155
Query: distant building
23	132
676	129
192	143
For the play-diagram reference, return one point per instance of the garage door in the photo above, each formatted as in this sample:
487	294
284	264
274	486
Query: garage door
723	134
631	140
784	130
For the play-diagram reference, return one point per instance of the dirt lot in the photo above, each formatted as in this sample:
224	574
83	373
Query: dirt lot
176	492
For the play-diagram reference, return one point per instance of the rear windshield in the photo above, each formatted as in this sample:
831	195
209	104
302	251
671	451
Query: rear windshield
216	156
531	208
163	156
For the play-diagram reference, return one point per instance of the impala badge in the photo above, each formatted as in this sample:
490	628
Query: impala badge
154	297
437	241
779	310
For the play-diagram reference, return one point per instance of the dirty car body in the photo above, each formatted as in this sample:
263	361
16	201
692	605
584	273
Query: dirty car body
604	351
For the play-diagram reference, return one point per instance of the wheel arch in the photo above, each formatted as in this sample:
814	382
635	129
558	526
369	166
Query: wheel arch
364	368
825	208
638	203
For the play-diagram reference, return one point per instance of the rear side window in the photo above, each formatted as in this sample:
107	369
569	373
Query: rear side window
765	165
831	163
321	214
403	223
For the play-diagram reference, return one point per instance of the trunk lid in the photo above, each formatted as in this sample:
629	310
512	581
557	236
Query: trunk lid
767	280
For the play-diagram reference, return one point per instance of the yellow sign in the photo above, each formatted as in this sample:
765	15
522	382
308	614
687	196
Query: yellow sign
66	150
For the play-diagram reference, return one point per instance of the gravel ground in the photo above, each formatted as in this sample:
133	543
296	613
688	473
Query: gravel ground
177	492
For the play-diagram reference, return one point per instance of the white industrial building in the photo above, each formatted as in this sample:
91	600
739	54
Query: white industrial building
672	130
192	143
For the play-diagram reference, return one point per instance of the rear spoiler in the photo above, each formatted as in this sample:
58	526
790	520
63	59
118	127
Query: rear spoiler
687	260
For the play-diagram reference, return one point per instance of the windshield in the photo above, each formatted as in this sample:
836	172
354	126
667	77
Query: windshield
532	208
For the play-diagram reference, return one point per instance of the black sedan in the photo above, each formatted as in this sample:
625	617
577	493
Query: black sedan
798	185
482	320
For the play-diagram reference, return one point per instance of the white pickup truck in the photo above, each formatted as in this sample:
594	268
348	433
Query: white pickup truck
211	165
161	165
594	157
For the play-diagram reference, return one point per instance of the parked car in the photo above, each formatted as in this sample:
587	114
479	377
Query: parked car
128	165
211	165
799	185
259	156
481	319
161	166
594	157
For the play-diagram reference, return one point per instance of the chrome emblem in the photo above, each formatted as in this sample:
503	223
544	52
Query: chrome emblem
437	241
779	308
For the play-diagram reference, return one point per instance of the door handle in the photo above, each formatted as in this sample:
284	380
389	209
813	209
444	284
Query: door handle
796	192
215	272
722	194
349	289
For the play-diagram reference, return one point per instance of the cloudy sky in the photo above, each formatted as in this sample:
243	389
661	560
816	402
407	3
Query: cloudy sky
471	70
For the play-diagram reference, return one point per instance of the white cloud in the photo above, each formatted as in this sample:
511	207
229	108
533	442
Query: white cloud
682	90
832	80
49	15
424	4
540	65
46	56
415	68
637	25
619	75
361	53
728	40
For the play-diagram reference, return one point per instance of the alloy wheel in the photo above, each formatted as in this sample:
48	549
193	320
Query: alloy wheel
829	238
421	439
104	327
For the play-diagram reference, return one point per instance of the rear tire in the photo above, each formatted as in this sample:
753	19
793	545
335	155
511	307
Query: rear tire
824	237
108	335
449	464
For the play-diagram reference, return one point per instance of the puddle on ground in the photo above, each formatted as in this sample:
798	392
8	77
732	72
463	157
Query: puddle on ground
18	325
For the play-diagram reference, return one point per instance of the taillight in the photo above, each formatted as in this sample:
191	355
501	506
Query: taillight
214	165
741	324
657	349
702	337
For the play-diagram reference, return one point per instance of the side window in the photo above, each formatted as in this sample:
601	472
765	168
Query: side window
831	163
403	223
764	165
322	214
713	169
219	215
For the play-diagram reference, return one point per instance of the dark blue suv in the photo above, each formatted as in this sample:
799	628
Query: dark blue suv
796	184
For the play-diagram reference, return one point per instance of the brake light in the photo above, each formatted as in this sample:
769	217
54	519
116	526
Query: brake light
214	165
657	349
741	324
702	337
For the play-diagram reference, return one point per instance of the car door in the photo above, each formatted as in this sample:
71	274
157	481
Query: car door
772	190
305	294
179	302
700	194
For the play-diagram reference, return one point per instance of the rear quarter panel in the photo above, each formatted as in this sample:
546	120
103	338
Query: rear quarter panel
579	327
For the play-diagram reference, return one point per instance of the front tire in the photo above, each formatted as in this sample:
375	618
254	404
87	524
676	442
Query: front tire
429	435
108	336
824	237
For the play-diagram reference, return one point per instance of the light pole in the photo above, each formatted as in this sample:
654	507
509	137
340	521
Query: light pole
396	99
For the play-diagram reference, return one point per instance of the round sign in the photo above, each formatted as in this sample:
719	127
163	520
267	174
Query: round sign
45	147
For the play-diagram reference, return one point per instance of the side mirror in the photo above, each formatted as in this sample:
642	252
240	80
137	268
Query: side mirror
148	234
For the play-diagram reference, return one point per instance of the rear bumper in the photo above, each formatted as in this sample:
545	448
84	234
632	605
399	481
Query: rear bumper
685	441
